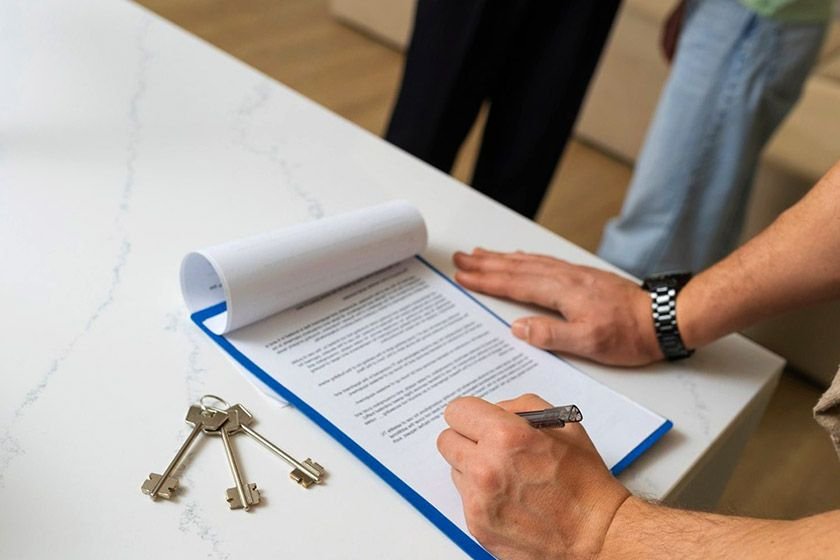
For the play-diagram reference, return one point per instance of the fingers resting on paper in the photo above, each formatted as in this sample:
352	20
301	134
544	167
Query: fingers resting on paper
592	313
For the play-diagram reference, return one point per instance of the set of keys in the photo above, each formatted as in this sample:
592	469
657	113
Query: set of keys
225	421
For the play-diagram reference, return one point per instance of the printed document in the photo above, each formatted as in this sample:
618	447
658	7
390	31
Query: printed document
380	356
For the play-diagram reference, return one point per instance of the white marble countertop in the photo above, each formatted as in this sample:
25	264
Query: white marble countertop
126	142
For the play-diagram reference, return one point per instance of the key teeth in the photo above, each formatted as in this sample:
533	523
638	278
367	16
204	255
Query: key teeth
302	478
167	489
318	468
251	494
306	479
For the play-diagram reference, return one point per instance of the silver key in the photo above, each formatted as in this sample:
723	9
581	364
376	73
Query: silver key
306	473
164	485
242	495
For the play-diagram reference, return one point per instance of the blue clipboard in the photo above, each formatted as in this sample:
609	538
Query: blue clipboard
464	541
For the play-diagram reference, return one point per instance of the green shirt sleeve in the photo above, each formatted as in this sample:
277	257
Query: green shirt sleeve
794	11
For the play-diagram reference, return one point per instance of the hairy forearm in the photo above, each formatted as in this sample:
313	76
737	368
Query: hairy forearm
794	262
643	530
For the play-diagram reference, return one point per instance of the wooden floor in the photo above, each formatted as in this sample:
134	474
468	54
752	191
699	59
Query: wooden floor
789	468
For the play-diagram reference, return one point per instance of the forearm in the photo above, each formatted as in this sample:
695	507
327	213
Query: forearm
643	530
794	262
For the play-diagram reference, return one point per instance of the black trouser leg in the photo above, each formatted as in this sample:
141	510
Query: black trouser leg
444	81
531	59
536	99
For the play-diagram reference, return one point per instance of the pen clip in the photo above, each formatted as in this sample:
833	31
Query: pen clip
555	417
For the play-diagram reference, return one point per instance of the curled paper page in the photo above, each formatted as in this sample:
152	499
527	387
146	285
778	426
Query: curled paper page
262	275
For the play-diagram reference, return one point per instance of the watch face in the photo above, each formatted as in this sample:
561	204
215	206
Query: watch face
670	280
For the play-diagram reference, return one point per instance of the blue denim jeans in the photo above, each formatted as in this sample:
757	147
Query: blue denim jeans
734	78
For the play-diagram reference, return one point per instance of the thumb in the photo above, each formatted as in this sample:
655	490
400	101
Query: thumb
550	334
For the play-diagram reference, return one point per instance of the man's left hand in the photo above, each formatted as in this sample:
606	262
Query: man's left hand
605	317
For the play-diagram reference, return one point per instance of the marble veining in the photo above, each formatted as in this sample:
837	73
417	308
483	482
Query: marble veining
194	374
9	446
699	406
135	123
248	111
192	521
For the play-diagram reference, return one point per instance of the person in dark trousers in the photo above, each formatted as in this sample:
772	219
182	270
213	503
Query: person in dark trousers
530	60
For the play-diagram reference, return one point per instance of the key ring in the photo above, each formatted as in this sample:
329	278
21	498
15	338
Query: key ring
216	398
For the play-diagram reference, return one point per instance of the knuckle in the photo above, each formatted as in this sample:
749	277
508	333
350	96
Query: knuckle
530	397
479	262
512	436
478	529
540	334
474	510
598	338
589	277
485	477
533	400
506	439
515	290
583	279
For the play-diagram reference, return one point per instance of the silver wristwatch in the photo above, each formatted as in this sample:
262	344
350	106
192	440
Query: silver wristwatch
663	291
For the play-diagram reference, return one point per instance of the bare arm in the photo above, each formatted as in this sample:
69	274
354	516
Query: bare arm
642	530
794	262
540	494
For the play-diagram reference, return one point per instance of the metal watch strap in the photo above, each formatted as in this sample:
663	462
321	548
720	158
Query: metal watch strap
663	296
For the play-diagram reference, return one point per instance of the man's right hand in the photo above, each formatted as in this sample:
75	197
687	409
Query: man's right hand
528	494
605	317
